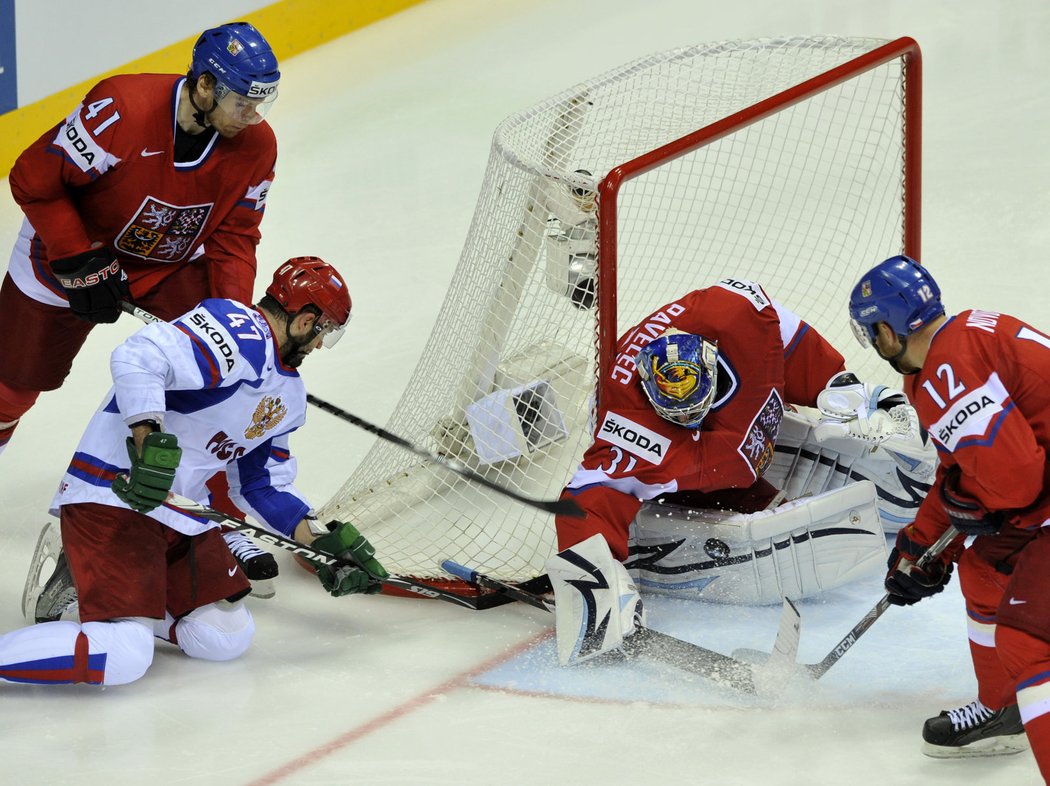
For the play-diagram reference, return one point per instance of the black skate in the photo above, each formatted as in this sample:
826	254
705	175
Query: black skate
974	730
48	601
258	565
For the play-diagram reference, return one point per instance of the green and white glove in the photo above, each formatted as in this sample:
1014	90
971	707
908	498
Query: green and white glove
362	571
152	474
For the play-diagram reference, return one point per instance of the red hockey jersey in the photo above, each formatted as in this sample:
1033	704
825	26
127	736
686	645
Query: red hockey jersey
107	173
767	357
984	394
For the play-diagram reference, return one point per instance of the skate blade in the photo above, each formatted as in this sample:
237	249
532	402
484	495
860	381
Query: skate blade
264	589
994	746
48	548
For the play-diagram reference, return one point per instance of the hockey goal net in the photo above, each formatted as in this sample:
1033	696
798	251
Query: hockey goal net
793	162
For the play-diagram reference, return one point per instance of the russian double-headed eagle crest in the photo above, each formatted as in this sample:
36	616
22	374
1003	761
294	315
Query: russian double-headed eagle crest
267	415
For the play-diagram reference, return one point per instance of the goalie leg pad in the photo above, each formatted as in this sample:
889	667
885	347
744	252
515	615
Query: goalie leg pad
596	602
797	550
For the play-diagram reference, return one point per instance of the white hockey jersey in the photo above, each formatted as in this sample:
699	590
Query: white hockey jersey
216	378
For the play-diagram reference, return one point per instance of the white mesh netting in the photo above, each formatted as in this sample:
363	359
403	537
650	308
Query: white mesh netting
802	201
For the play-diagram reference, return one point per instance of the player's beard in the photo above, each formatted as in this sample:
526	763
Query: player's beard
294	351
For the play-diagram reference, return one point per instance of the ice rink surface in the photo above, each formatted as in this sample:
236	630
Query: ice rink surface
384	136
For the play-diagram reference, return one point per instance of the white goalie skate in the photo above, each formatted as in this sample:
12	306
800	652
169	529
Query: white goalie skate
47	600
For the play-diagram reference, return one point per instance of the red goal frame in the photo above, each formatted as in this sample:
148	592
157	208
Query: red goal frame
609	188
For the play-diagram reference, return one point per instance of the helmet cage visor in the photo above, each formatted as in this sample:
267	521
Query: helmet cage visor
679	379
865	334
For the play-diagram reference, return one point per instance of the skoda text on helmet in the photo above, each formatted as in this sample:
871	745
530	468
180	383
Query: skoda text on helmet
244	67
679	374
899	292
310	281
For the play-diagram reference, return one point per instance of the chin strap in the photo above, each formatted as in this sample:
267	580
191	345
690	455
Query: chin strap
895	360
200	117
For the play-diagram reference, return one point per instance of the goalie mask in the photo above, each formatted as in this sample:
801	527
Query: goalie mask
310	281
678	373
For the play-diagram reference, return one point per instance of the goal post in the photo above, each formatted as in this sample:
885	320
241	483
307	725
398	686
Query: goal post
904	52
794	162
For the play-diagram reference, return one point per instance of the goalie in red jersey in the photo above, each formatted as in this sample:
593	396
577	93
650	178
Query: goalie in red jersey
152	190
690	414
978	381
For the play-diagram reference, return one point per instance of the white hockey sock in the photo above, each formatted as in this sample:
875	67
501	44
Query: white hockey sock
97	653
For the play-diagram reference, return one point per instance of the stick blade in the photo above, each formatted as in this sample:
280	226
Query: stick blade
566	507
772	676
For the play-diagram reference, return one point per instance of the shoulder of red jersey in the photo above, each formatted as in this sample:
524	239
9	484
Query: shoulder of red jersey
750	291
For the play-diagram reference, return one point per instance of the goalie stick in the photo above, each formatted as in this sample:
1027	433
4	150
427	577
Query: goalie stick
820	668
559	507
763	679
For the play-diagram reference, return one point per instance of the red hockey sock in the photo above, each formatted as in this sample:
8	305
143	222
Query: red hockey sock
14	402
995	689
1027	659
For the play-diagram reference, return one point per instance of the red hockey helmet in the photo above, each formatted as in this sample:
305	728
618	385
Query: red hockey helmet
310	281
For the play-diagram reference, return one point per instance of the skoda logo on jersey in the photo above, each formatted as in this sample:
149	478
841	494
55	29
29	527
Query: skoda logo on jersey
748	289
633	437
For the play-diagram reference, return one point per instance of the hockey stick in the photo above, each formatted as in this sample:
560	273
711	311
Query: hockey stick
726	670
406	583
819	669
559	507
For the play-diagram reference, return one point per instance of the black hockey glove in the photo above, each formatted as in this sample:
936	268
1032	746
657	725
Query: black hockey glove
966	513
95	284
905	582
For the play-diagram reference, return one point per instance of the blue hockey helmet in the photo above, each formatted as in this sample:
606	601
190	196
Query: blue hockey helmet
679	372
241	61
898	291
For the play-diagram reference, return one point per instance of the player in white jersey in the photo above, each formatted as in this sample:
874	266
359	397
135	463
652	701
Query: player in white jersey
218	388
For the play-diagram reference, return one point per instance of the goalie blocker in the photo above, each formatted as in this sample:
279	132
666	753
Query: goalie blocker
887	447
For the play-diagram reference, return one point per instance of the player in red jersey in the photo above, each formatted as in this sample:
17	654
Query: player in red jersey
693	404
755	357
152	190
980	382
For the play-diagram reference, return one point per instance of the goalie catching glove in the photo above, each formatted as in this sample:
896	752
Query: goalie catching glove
152	473
907	583
846	398
359	572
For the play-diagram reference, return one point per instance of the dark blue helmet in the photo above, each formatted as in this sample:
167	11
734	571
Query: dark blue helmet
679	374
239	57
898	291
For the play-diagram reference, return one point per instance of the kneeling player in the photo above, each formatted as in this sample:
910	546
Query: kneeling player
218	388
695	407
